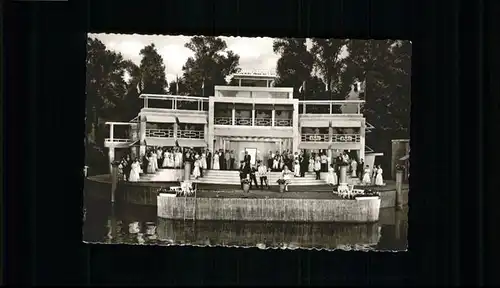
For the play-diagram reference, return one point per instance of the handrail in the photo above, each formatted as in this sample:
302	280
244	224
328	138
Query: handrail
170	97
190	134
118	140
308	137
161	133
327	102
223	120
346	138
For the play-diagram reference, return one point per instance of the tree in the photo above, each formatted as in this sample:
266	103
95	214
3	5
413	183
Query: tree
177	87
153	79
372	61
132	104
105	85
211	64
327	62
295	64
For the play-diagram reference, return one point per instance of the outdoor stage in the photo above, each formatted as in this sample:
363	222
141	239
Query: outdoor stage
145	193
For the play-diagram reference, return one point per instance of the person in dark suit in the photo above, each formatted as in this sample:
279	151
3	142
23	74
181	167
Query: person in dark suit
304	163
360	169
253	177
145	163
243	175
222	162
247	159
209	160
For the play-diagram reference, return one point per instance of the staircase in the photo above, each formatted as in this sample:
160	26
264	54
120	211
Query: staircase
232	177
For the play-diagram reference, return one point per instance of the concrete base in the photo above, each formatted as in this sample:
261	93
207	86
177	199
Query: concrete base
287	210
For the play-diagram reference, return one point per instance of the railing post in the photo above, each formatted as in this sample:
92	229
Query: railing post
331	108
111	132
273	117
233	116
253	114
359	108
173	103
303	107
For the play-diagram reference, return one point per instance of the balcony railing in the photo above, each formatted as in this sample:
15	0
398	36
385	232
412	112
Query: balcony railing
336	138
190	134
223	120
243	121
315	138
162	133
263	121
119	140
283	122
177	102
346	138
253	92
330	106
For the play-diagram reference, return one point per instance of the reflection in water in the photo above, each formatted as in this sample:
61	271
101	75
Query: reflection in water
139	225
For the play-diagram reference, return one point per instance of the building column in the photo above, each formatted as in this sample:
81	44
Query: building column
330	140
209	135
295	127
142	135
176	128
111	157
253	114
362	140
111	131
233	116
273	116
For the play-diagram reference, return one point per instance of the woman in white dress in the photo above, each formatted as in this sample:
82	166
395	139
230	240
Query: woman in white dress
151	163
178	159
366	176
310	168
287	175
165	159
216	165
170	160
296	168
379	180
196	170
354	168
155	161
134	171
203	160
331	179
276	163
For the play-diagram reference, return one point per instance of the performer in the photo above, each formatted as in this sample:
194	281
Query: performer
379	180
263	171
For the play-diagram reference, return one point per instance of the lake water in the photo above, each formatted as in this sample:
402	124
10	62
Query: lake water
132	224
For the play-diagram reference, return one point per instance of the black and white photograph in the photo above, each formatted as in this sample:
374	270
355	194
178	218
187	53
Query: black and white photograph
290	143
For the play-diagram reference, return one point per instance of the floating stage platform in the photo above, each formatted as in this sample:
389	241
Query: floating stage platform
302	203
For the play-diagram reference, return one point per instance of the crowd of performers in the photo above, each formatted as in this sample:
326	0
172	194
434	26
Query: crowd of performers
290	164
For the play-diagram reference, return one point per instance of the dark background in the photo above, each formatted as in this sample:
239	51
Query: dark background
44	57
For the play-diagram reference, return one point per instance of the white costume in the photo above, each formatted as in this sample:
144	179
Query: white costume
155	162
296	169
332	177
165	159
354	167
151	164
216	165
134	172
311	165
178	159
366	177
203	161
196	170
379	179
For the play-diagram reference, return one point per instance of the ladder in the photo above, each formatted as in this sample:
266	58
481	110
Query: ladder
191	203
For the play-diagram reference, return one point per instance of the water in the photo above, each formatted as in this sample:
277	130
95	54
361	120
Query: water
132	224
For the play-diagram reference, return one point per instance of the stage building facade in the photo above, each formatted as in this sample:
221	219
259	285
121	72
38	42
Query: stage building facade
253	116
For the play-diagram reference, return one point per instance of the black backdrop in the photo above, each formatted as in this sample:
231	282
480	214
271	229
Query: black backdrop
45	40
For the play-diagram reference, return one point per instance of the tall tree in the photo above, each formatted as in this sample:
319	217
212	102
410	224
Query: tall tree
105	85
153	79
295	64
327	62
211	64
372	61
132	104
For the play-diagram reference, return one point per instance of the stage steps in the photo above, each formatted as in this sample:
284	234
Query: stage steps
232	177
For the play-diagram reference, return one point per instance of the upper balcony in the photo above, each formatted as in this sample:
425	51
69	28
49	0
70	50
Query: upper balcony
337	107
254	92
160	102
